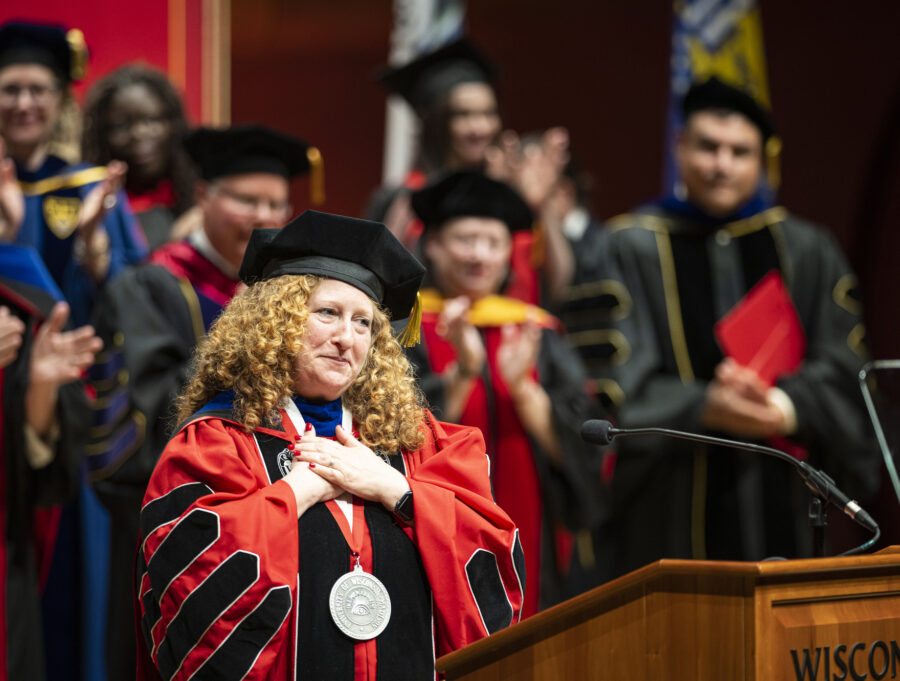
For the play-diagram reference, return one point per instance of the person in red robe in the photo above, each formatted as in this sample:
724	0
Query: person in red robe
501	365
452	90
153	317
309	519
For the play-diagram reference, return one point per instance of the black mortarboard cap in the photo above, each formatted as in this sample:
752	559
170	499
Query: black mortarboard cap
63	52
359	252
429	76
715	94
468	193
244	149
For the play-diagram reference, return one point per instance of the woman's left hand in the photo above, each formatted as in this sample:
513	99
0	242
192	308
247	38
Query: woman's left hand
59	357
518	353
102	198
349	464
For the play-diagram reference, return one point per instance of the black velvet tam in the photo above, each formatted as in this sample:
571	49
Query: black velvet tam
44	44
243	149
714	94
468	193
358	252
429	76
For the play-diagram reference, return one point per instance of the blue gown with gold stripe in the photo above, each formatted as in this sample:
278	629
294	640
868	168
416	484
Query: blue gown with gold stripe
53	199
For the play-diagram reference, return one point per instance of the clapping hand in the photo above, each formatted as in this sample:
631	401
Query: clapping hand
11	330
59	357
12	201
101	199
534	169
454	325
518	353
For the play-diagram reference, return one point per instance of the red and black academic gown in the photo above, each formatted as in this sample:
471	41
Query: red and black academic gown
152	318
155	212
536	495
23	489
233	586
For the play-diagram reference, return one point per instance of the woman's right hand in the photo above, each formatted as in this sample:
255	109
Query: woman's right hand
455	326
309	488
12	201
11	330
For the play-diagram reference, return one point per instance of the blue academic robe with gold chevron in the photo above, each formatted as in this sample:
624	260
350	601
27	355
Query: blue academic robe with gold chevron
53	198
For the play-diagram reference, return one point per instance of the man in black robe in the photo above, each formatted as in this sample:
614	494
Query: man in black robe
672	270
152	318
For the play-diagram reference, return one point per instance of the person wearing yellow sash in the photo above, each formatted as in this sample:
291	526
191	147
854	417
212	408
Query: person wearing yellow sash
499	364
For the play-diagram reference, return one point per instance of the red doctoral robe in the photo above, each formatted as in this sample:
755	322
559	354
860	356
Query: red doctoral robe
220	572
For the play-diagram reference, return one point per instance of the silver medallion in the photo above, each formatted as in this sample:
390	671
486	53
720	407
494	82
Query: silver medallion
360	604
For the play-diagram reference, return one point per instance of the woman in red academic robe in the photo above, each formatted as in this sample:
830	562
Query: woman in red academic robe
309	519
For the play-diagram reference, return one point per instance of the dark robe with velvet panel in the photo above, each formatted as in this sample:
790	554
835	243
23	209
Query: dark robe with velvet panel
677	273
151	319
23	489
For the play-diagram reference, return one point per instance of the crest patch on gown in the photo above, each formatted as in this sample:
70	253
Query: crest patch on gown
62	214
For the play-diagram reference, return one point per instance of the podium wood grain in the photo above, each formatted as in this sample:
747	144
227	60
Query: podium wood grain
699	620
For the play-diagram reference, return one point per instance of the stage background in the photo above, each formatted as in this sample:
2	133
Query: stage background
599	67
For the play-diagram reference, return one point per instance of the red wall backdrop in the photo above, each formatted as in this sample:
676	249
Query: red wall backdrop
166	34
110	43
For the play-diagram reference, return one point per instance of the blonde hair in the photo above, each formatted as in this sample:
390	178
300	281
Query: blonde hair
251	349
65	137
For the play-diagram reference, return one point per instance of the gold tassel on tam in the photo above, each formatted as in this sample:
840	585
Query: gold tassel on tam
413	331
78	48
316	176
773	161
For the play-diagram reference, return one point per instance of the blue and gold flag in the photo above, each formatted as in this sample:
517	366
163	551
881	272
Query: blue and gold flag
720	38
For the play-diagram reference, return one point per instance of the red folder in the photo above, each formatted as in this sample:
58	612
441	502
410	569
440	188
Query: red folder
763	331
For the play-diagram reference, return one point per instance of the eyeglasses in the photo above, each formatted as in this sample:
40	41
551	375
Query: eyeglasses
246	205
126	126
10	93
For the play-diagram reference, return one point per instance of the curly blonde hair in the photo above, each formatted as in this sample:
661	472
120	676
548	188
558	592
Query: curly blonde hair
251	349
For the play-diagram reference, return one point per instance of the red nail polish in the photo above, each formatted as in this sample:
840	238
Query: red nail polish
312	465
290	446
308	427
298	437
356	434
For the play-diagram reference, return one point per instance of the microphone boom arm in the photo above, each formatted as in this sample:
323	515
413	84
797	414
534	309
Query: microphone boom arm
819	483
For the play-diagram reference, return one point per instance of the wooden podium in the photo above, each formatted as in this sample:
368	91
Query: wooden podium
816	619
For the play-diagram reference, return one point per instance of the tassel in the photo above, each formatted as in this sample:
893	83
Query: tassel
316	176
79	56
773	162
413	331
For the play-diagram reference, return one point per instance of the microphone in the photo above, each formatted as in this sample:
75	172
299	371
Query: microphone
600	432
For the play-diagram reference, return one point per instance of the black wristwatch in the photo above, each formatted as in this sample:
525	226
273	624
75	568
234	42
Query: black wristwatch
404	508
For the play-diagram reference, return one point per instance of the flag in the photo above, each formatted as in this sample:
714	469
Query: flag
720	38
420	26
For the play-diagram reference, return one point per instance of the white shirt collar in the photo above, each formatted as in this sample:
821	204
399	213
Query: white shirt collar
201	242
